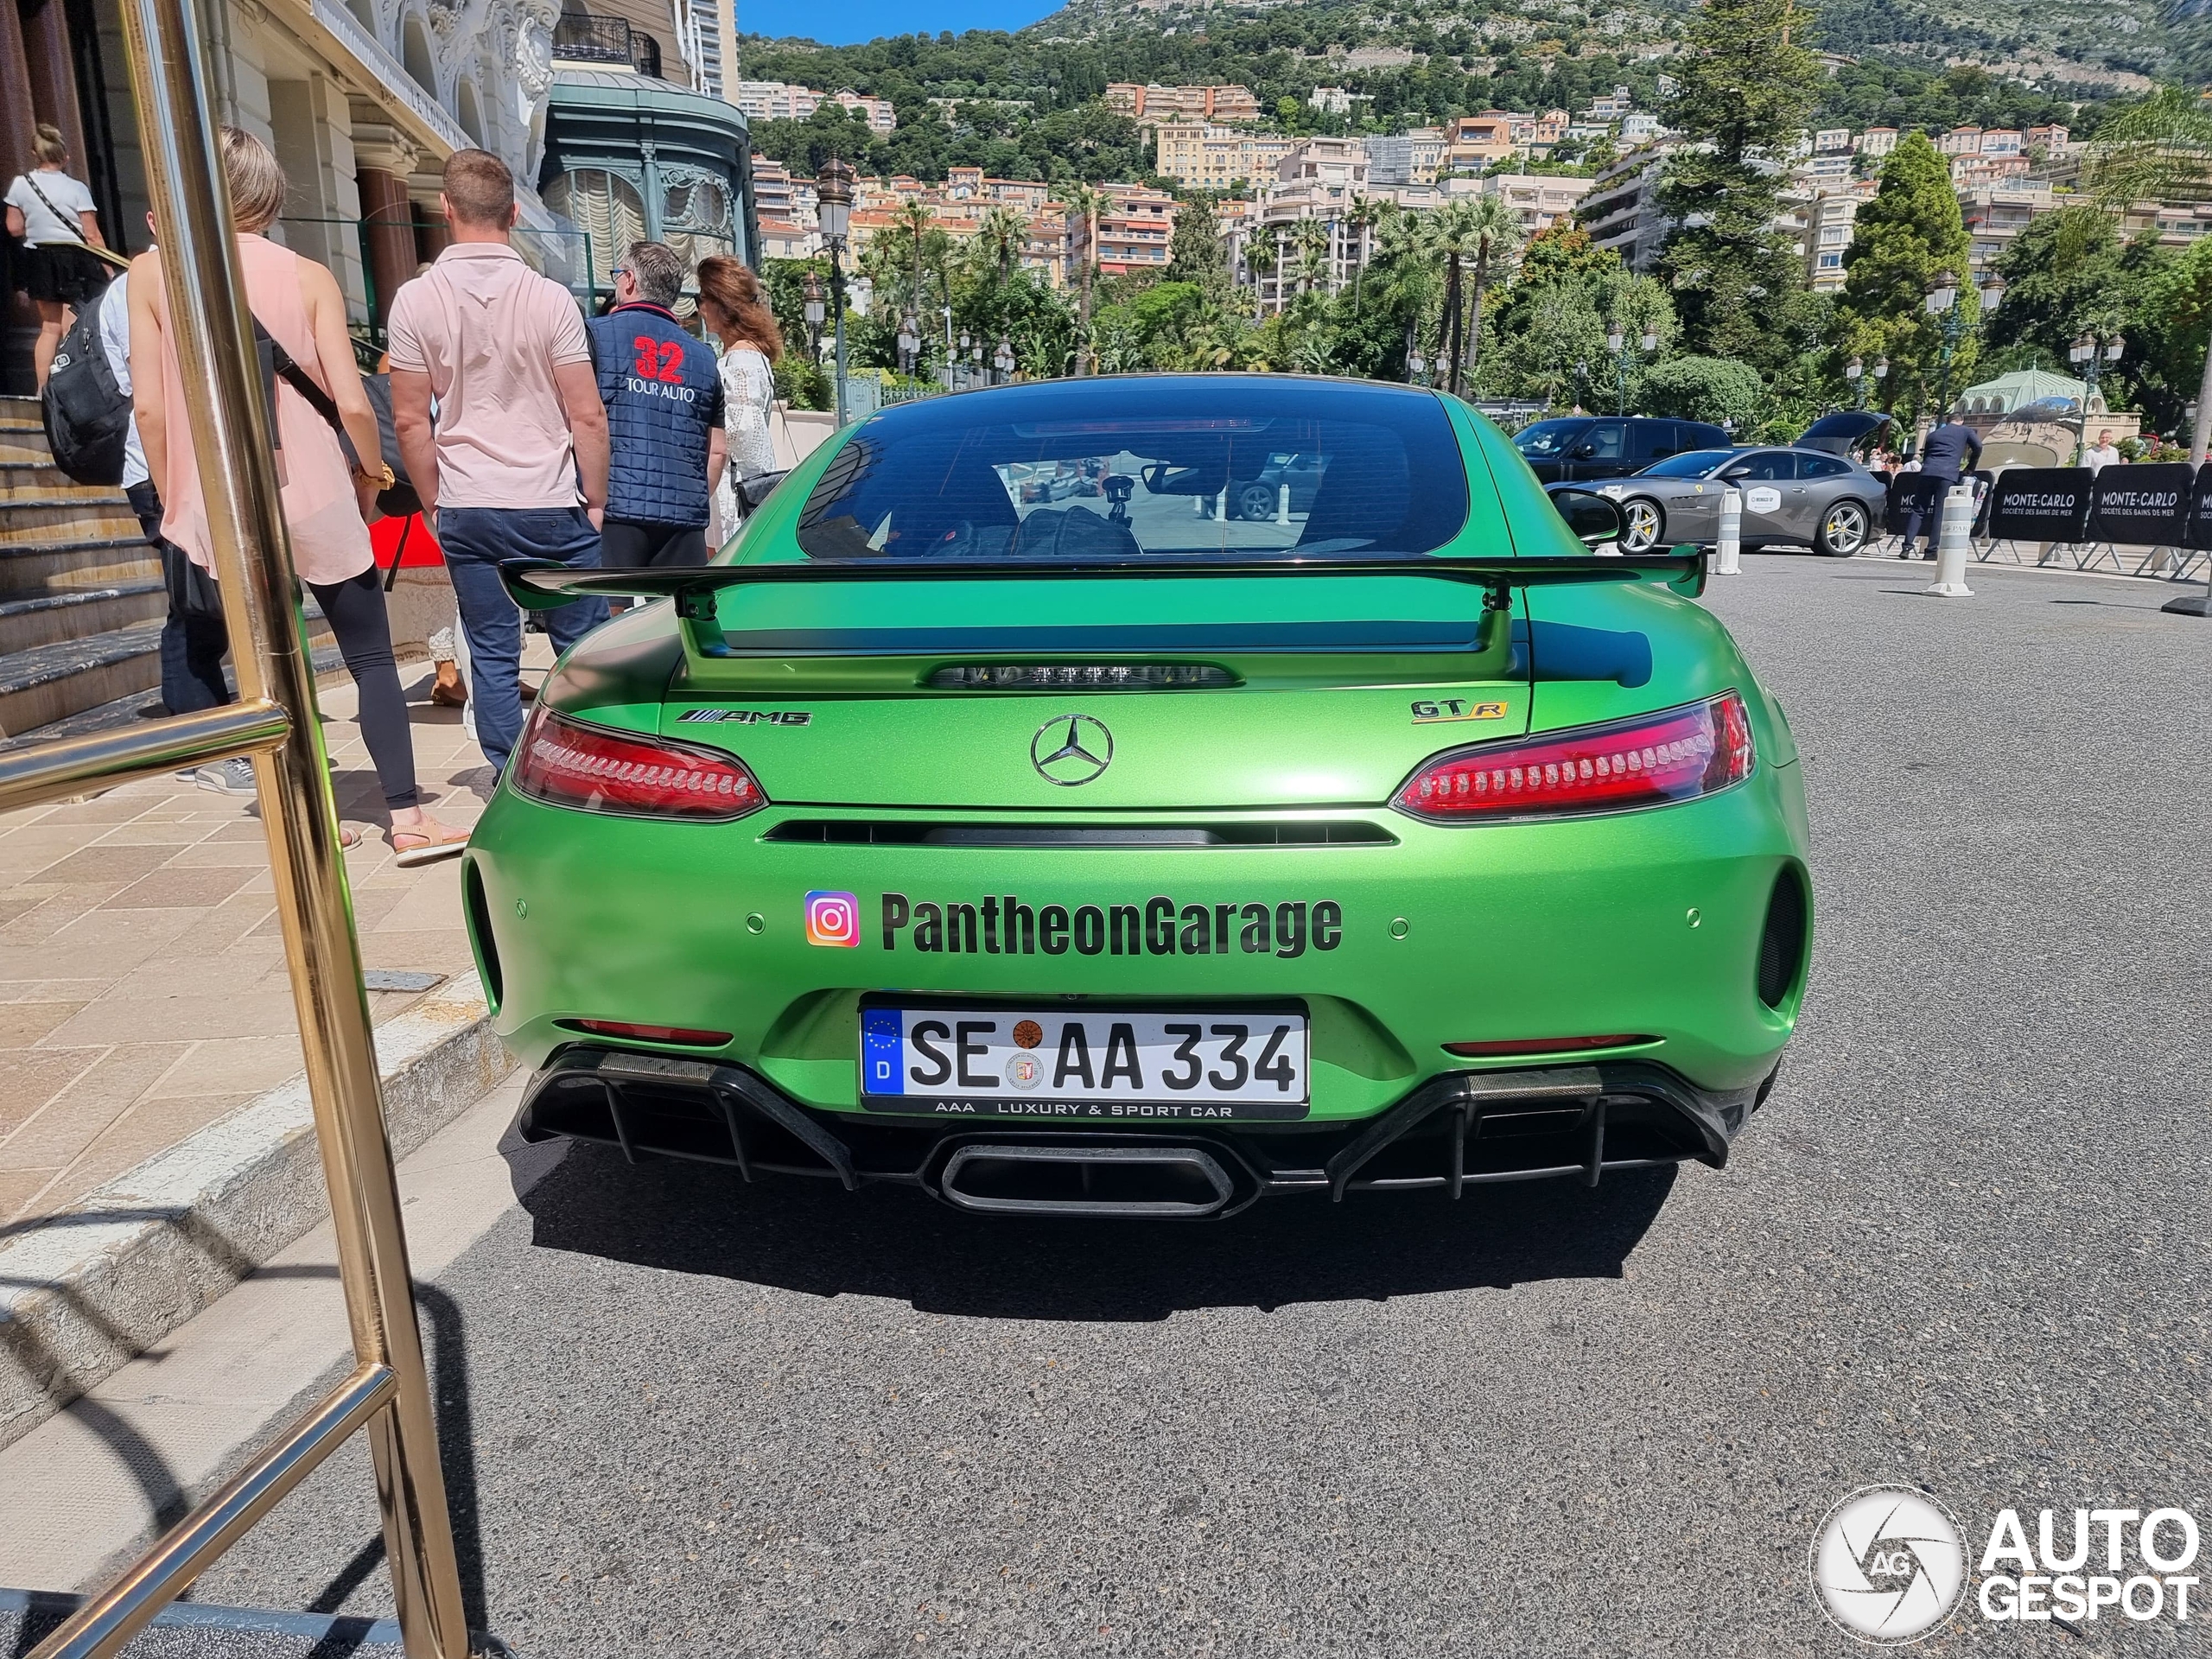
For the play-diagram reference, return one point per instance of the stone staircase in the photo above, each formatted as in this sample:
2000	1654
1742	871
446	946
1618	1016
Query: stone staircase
82	600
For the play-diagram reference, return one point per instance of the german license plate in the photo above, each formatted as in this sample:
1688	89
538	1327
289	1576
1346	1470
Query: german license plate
1107	1065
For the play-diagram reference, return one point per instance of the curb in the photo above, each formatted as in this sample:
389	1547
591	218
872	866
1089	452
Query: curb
183	1628
83	1293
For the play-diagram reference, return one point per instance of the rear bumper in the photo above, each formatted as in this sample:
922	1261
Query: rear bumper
1461	1130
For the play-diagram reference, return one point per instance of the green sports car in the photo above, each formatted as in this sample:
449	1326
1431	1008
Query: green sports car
1013	814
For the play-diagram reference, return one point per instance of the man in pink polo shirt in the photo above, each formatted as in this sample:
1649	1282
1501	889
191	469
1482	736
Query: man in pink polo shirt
516	465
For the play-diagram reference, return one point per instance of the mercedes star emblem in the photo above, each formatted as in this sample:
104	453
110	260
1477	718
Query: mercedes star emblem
1070	749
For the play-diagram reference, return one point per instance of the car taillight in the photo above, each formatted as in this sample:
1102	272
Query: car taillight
1650	760
564	762
686	1035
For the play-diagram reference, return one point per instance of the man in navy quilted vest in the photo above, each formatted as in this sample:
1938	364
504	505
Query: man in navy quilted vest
664	397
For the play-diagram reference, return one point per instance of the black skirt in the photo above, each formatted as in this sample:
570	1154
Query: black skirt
62	272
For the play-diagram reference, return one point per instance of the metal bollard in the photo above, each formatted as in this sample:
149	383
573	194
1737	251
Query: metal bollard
1951	546
1729	560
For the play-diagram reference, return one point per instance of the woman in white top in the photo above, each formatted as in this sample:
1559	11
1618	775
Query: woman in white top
51	215
736	314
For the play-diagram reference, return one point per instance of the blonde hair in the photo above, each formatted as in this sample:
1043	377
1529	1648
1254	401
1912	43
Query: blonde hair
256	179
730	287
48	141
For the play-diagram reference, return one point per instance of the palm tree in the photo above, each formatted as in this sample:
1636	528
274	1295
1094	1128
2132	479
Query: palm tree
1084	202
1364	214
1312	237
1451	233
2159	148
913	221
1495	229
1260	260
1002	234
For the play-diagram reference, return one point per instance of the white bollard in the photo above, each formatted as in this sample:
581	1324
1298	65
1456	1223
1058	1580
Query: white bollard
1221	506
1729	561
1282	504
1952	543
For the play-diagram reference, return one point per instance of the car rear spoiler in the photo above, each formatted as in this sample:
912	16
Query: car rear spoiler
546	584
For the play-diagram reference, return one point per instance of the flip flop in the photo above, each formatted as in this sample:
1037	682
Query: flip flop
412	847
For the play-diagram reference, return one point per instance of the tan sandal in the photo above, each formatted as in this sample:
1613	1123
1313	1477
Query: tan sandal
427	846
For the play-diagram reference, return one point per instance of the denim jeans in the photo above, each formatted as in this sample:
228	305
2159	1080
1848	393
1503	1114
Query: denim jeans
192	646
475	539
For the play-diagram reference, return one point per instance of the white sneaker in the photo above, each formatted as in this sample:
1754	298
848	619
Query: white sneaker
231	777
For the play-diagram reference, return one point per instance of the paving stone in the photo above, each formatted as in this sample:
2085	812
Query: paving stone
143	982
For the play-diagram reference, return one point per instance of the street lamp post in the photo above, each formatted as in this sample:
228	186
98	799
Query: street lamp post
1616	343
910	344
1002	361
833	209
2092	350
811	289
1417	367
1854	371
965	342
1942	304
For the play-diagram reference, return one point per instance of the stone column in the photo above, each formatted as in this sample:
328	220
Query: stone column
382	158
53	75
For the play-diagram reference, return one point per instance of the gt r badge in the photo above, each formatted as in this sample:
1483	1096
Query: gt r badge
1071	749
1430	714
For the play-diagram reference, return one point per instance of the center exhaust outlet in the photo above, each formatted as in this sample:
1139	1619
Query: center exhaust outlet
1077	1181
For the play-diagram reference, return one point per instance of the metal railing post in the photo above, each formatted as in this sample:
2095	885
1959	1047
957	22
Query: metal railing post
210	327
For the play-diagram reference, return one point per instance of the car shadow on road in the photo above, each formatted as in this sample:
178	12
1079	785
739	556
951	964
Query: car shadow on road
817	1239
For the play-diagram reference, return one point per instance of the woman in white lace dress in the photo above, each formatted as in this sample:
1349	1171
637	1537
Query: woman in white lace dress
736	314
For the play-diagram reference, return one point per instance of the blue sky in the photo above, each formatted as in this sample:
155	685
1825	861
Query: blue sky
863	19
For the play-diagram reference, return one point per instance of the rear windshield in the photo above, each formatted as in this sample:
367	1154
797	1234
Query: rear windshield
1691	463
1117	468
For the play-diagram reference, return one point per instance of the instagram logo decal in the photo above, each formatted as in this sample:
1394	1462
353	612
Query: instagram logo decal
833	918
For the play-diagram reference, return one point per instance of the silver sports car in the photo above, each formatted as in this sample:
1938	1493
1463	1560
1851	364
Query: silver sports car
1808	493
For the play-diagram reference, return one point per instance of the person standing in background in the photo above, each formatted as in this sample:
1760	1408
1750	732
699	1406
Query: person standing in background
735	313
193	642
2106	454
52	215
1948	454
325	498
663	390
520	427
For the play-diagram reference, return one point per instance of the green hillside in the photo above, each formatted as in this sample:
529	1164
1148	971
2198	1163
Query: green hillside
1027	104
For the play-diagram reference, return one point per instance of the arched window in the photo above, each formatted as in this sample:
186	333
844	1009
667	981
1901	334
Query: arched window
607	209
415	54
695	215
470	115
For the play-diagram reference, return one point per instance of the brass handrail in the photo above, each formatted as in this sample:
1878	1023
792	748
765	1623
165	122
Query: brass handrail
274	722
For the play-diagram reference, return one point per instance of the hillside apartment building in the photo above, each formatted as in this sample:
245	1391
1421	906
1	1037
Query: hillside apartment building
1152	103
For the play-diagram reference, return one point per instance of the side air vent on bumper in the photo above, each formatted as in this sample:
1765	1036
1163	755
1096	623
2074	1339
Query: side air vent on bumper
1782	941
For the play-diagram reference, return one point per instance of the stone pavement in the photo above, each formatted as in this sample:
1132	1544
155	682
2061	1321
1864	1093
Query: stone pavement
142	986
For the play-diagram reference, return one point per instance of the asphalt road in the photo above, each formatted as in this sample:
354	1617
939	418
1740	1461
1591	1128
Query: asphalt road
1963	1247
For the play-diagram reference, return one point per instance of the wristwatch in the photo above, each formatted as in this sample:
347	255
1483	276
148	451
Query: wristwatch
381	478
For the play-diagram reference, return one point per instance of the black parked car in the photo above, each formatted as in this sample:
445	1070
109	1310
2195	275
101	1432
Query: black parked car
1582	446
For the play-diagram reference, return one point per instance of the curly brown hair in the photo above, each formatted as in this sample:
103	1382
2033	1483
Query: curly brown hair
728	285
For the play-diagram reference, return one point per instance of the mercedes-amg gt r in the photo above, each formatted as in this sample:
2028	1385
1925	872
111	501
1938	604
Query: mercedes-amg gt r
1121	851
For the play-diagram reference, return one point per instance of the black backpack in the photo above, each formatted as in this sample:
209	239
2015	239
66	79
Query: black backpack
86	415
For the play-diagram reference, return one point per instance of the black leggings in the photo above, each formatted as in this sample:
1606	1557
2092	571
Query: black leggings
355	610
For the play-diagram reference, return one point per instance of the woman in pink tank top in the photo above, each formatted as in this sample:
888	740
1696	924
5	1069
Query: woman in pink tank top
326	502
